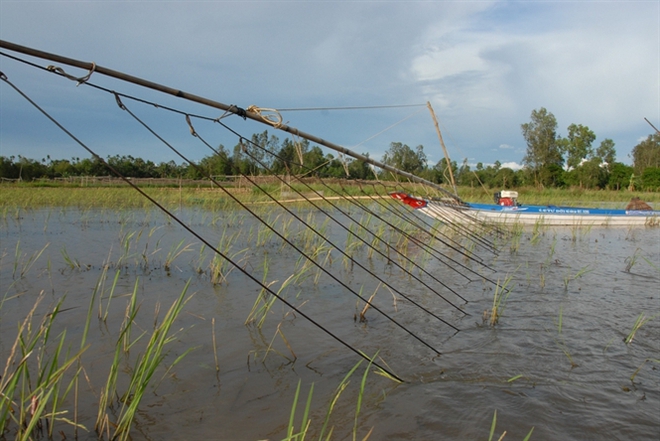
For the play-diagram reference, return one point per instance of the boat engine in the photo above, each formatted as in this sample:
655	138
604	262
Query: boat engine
506	198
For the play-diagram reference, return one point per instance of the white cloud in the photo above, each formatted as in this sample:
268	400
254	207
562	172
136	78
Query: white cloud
439	63
512	165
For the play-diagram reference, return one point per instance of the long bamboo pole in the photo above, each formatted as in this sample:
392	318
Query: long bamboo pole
656	130
215	104
444	148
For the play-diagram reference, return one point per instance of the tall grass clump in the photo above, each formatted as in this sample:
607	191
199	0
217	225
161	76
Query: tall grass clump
40	381
174	252
219	266
37	378
143	371
500	297
265	300
641	320
580	273
303	430
72	263
539	230
633	260
516	236
22	262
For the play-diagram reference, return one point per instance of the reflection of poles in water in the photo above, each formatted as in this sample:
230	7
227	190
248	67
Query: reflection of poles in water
444	148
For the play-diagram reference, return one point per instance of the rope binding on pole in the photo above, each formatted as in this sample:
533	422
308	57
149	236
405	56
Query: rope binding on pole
78	80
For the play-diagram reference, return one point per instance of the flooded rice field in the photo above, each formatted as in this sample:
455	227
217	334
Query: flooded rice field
573	350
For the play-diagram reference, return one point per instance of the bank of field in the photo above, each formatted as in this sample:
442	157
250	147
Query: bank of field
207	195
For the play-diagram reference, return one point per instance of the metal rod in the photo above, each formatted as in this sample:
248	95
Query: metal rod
218	105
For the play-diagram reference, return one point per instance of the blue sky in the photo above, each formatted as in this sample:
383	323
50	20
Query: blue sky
484	66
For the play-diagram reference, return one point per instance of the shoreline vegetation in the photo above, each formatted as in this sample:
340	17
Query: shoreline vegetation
116	193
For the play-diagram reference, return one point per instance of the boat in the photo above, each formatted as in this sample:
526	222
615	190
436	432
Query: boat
507	210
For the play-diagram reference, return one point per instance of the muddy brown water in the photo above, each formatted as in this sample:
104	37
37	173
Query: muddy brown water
556	361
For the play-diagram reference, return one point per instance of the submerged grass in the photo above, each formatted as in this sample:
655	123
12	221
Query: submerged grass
500	297
641	321
219	267
124	404
653	360
42	370
34	383
581	272
560	338
494	424
304	428
23	262
146	366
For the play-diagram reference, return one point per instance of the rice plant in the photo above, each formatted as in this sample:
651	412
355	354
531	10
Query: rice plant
361	317
23	263
468	251
551	254
219	265
35	381
494	424
264	233
145	253
144	370
71	263
104	316
199	262
537	232
215	346
516	237
326	262
125	241
654	360
378	232
560	339
569	277
174	252
500	297
269	349
299	432
298	435
352	245
641	321
265	300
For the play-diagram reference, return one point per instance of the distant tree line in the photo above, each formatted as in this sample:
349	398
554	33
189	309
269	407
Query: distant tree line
554	161
550	161
261	155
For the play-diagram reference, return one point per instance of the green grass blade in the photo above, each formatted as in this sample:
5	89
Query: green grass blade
492	426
